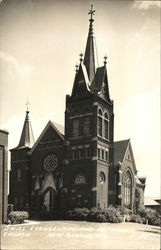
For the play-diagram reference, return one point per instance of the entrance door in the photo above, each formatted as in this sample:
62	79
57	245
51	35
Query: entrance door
49	199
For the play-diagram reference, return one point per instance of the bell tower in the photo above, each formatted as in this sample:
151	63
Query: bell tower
89	120
20	166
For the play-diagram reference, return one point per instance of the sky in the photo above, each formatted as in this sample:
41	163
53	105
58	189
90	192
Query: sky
40	43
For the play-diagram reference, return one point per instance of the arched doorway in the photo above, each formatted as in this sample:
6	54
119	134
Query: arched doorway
49	199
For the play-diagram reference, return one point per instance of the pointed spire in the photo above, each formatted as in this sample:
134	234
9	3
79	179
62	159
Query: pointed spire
27	137
89	58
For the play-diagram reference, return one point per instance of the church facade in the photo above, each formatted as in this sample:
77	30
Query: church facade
81	166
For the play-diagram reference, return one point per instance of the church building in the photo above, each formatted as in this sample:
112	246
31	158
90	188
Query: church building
80	165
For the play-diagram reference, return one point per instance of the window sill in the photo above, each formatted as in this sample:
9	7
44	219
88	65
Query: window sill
80	137
103	160
101	137
81	158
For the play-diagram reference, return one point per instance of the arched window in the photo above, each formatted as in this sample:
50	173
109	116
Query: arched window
80	179
86	125
75	128
106	126
100	122
102	177
127	190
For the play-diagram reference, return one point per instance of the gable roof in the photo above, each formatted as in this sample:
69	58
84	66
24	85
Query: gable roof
148	201
99	78
81	76
55	126
59	127
120	150
138	182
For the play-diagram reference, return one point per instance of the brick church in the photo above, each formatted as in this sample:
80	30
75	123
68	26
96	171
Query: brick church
81	166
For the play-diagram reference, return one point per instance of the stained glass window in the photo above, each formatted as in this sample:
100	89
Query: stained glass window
127	190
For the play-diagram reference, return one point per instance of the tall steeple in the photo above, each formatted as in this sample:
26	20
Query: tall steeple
27	137
89	58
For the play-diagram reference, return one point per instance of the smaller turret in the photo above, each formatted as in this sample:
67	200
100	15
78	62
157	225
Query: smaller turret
27	137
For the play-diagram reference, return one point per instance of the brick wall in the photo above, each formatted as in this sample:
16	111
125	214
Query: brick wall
3	175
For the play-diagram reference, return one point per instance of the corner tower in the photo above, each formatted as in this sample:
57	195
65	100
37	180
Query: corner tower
20	167
89	120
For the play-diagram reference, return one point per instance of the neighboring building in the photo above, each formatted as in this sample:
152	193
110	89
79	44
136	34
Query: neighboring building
3	175
153	203
82	166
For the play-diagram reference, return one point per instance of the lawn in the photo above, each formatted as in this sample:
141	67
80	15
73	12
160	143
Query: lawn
79	235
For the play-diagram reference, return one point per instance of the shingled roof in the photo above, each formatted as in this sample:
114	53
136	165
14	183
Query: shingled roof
59	127
149	201
119	150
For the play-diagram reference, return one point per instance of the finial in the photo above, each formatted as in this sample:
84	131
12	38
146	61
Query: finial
76	67
81	57
91	12
105	61
27	104
91	20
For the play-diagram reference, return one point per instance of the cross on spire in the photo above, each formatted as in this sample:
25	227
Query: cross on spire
27	104
76	67
105	59
81	57
91	11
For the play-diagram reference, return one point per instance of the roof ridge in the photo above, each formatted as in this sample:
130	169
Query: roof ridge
122	140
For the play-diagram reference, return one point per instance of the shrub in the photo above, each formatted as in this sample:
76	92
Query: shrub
78	213
109	214
151	215
135	218
113	214
124	211
97	215
127	217
18	216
